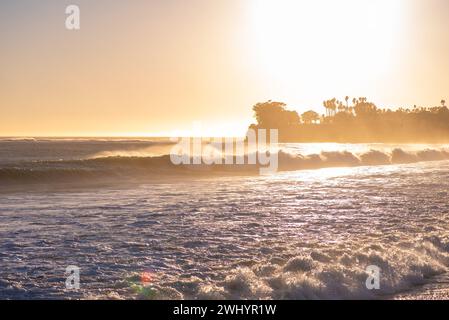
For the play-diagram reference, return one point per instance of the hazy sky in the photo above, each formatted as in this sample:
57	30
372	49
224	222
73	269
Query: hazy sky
146	67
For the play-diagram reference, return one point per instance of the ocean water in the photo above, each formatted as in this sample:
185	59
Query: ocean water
140	228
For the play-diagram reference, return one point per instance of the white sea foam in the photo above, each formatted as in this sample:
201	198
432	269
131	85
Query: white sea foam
301	234
340	275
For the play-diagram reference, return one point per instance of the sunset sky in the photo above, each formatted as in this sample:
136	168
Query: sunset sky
152	67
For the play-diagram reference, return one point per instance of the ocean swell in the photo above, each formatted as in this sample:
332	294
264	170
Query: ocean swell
113	167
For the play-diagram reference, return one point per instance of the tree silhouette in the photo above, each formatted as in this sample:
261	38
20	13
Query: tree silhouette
331	107
364	108
361	122
272	114
326	106
310	117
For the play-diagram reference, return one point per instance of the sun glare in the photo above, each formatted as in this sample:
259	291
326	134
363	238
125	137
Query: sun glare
298	42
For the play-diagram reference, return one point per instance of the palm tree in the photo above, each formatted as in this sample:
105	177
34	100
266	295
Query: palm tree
333	106
443	102
326	106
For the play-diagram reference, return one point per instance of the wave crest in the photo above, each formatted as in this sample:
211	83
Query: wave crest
143	167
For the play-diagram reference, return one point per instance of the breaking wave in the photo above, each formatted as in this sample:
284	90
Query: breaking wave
326	159
111	167
333	273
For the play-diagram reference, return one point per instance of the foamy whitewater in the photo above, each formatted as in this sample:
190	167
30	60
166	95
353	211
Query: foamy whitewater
139	227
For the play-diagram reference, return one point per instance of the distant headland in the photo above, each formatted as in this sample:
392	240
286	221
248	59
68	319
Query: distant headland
355	121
